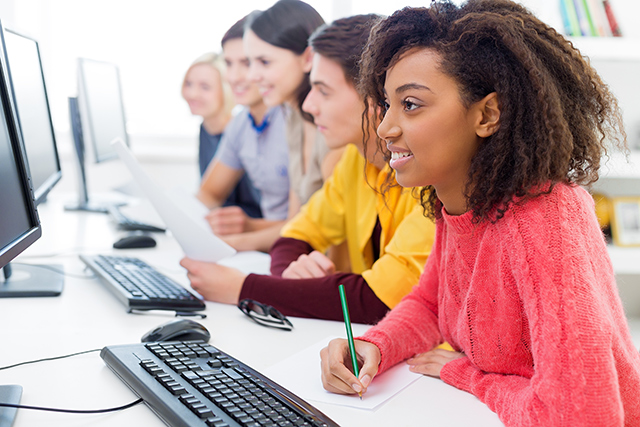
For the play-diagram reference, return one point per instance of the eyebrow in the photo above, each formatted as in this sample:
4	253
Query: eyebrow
320	83
409	86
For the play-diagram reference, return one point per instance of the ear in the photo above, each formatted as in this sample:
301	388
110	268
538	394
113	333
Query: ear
307	59
488	109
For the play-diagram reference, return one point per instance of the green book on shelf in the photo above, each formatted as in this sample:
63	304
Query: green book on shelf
572	17
588	15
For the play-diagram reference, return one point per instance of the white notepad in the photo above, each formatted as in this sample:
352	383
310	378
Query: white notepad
300	374
194	235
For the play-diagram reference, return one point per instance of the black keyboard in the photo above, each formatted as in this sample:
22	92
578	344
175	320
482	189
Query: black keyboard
130	224
140	286
195	384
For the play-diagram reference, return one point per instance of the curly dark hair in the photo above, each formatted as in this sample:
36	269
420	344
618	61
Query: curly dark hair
555	111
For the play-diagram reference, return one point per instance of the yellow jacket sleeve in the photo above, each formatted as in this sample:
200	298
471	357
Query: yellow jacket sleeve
347	208
399	268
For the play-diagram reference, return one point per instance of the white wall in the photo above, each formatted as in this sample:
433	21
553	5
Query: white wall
154	41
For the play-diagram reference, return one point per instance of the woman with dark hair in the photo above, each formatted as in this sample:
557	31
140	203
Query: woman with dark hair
276	43
357	205
501	120
253	149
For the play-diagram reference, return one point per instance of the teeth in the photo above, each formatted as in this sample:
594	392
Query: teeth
395	155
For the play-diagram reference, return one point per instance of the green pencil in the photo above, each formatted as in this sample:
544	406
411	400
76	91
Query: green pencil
347	324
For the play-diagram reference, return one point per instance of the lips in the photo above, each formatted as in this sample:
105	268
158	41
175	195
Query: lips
264	90
399	159
395	155
240	88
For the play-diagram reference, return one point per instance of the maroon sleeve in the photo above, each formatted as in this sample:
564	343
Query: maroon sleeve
316	298
286	250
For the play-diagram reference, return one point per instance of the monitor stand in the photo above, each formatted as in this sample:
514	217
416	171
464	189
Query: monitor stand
31	281
84	204
87	207
9	394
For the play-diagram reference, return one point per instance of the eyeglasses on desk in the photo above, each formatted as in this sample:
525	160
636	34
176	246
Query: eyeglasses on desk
264	314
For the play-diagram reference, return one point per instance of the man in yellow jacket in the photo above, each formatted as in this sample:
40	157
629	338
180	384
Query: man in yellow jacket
383	225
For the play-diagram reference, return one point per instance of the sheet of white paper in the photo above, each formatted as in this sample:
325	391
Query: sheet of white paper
190	204
197	241
300	374
249	262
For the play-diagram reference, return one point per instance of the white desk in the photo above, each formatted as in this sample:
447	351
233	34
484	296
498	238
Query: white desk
86	316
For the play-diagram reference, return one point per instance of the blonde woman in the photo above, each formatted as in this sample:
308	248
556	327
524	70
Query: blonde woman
208	94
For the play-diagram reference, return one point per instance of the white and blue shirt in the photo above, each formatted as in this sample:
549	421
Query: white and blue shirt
262	152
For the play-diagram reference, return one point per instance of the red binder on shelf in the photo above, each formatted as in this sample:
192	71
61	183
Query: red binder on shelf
613	23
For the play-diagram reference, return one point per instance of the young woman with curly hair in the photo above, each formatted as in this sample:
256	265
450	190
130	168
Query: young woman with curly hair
502	120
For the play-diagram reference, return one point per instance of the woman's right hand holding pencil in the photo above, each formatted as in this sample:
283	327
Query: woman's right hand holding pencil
337	370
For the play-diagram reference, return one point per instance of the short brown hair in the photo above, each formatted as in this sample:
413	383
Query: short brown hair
343	41
235	32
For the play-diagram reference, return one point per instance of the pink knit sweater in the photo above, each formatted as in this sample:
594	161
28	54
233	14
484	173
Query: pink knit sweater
532	302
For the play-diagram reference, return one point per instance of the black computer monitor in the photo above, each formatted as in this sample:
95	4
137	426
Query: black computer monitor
101	108
97	118
19	222
34	116
26	88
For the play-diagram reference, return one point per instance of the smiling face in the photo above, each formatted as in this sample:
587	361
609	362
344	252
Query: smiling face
202	89
430	133
244	91
278	72
335	105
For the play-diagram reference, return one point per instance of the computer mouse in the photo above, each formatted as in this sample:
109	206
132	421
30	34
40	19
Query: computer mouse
135	241
178	330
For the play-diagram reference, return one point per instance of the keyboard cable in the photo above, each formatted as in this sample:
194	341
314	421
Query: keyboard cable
70	411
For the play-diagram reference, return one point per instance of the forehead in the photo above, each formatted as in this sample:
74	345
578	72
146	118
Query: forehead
327	71
254	46
203	72
233	48
416	64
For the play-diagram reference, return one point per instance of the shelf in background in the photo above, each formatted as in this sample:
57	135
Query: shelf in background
617	166
626	265
608	48
625	260
619	176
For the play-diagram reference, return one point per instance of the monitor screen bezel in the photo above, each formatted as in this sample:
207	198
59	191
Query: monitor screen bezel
26	239
87	115
41	192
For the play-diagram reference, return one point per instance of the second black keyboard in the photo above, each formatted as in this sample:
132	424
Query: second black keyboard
126	223
195	384
140	286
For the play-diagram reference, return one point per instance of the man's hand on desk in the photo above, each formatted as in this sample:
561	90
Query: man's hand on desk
214	282
316	264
